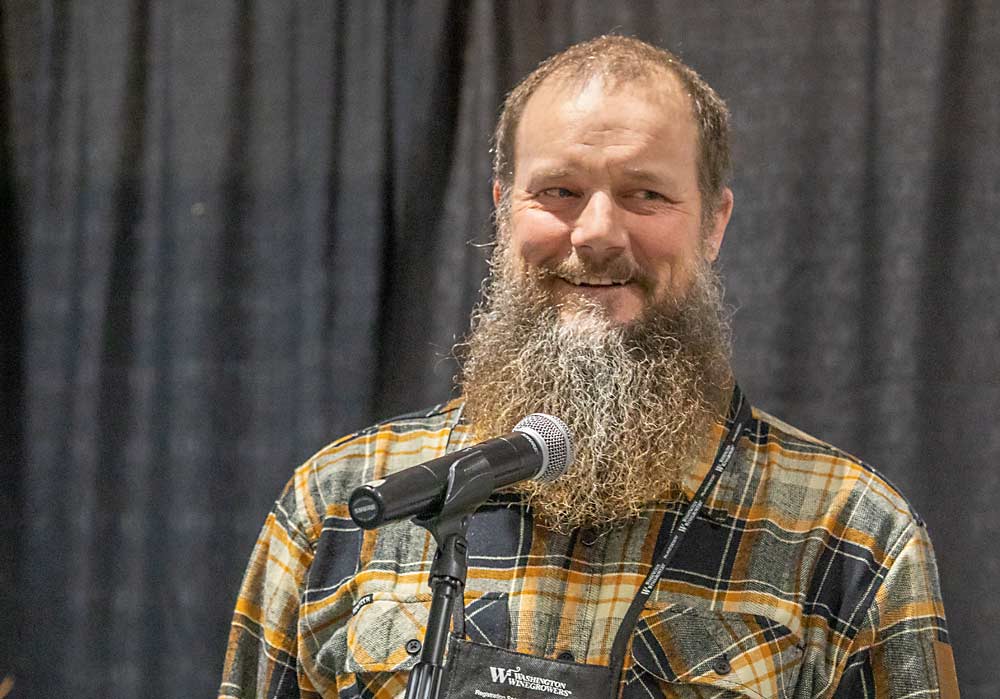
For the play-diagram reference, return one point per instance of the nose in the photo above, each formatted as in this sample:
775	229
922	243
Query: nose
599	233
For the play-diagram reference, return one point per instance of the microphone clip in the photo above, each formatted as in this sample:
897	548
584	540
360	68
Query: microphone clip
470	484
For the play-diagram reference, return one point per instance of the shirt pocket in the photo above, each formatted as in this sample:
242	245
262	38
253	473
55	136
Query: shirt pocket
739	654
378	634
384	634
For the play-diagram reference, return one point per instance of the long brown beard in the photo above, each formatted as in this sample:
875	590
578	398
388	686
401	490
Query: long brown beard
640	399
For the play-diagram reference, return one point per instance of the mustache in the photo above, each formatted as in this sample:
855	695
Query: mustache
620	269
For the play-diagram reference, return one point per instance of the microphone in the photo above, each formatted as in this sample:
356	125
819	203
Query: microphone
539	448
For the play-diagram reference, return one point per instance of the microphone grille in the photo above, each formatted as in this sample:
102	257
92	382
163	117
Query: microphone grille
555	440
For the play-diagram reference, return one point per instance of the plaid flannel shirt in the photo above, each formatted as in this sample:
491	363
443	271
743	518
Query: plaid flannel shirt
805	575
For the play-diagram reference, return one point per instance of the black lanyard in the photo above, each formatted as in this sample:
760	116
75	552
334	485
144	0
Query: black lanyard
741	408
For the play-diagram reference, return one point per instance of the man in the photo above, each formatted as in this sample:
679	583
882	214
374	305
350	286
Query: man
804	573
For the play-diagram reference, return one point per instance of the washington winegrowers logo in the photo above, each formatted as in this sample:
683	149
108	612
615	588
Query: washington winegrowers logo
512	677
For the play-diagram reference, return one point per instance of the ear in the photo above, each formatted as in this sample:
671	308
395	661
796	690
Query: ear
717	230
497	192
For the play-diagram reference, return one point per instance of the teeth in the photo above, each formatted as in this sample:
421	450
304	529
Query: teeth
595	281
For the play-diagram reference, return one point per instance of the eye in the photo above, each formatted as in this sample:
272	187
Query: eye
558	193
649	195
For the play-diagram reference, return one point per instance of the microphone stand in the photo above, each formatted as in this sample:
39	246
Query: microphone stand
470	484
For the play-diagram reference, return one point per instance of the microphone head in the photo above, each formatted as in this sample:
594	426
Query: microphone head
554	439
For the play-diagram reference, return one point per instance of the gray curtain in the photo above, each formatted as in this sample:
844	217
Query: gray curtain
233	231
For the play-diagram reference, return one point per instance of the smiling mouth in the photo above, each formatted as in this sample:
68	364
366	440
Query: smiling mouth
595	282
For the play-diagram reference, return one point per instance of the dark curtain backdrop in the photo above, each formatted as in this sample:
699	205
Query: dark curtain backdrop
233	231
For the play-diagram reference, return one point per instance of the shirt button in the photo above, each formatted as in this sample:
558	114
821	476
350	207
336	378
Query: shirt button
567	656
413	646
721	665
719	518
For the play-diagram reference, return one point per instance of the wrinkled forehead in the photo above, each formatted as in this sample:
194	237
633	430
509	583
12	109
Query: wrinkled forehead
654	84
564	117
662	97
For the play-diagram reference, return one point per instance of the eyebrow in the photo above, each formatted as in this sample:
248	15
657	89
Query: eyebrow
640	176
552	173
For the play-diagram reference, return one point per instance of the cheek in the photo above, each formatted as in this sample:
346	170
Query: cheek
538	237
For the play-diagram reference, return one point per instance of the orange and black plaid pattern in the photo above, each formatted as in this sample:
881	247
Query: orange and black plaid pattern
806	575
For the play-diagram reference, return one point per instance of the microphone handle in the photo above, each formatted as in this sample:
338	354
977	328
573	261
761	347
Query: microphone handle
421	489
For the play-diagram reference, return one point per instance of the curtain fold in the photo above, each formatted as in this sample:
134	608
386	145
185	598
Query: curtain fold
233	232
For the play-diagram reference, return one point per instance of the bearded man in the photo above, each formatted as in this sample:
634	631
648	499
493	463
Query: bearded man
695	548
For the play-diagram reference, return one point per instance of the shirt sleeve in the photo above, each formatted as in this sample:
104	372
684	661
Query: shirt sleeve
261	656
902	648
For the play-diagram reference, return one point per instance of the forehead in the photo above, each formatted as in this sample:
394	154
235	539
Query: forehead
647	116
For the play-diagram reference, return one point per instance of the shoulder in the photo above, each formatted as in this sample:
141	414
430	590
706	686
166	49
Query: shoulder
320	487
821	486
